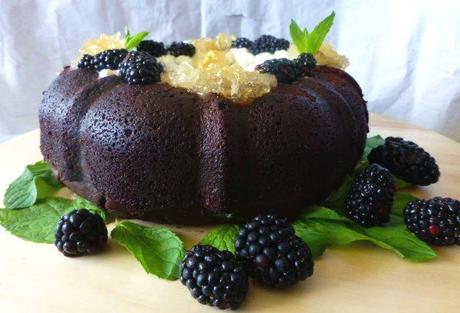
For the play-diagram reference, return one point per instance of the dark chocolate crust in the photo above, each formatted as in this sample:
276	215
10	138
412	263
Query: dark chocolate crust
161	153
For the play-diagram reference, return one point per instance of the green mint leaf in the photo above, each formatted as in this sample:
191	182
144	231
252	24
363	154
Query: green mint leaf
222	237
400	201
401	183
323	213
133	41
158	249
38	222
36	182
318	34
321	234
298	36
80	202
306	41
371	143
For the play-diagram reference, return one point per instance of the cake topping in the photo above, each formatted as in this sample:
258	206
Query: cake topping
242	42
269	43
109	59
87	61
285	70
305	63
140	68
155	48
181	48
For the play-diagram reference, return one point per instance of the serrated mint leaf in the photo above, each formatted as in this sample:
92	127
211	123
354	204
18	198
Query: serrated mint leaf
158	249
222	237
310	42
371	143
38	222
298	36
132	42
323	213
80	202
36	182
317	36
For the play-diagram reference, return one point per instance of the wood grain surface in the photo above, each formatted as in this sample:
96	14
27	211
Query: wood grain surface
357	278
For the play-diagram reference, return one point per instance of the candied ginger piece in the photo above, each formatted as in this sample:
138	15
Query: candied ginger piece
327	55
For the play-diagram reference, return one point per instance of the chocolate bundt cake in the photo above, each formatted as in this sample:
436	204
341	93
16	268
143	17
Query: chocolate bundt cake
164	153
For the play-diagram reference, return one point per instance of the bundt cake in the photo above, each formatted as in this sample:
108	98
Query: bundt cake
161	152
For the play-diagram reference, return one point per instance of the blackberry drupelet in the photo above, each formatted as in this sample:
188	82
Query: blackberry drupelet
242	42
181	48
285	70
154	48
109	59
269	43
436	221
275	256
370	199
214	277
305	63
140	67
80	232
407	160
87	61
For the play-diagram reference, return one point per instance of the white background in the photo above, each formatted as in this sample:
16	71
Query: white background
405	54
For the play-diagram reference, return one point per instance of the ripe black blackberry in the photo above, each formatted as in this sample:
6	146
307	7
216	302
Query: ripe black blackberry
436	221
214	277
407	160
140	67
154	48
305	63
242	42
275	256
109	59
370	200
285	70
80	232
181	48
87	61
269	43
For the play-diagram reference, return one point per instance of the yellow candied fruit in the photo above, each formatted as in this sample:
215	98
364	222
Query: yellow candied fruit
104	42
231	81
327	55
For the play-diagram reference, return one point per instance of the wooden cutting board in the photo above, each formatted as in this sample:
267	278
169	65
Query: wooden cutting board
359	278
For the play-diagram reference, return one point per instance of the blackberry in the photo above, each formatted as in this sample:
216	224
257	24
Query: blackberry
436	221
87	61
154	48
370	199
109	59
407	160
181	48
305	63
242	42
140	67
285	70
80	232
275	256
269	43
214	277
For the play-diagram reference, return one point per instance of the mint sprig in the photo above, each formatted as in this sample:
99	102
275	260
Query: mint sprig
158	249
132	41
310	42
38	222
222	237
36	182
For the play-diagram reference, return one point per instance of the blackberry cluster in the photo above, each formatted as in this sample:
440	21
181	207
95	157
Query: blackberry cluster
87	61
275	256
242	42
140	68
370	200
406	160
80	232
305	63
285	70
214	277
436	221
154	48
109	59
268	43
181	48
